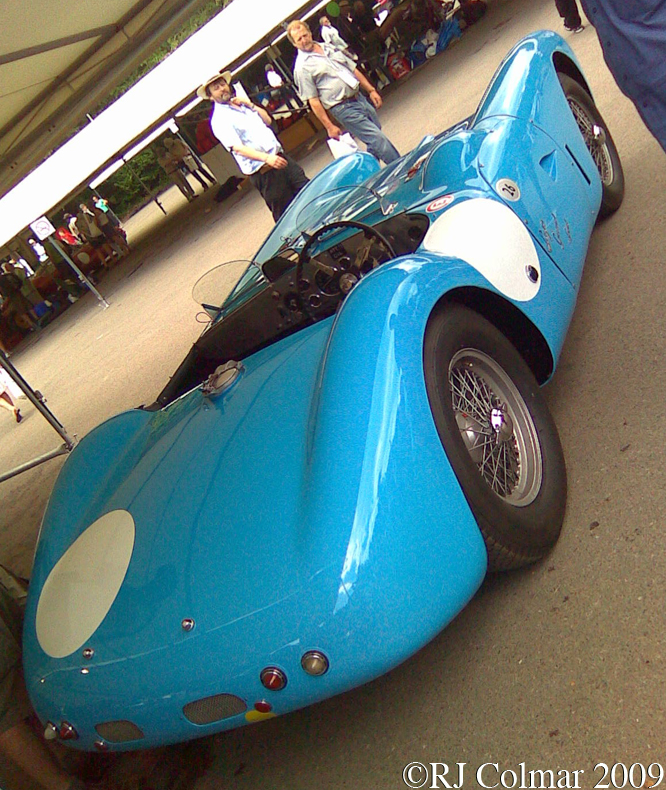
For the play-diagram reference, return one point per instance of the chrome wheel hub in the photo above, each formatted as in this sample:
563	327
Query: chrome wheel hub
502	424
496	427
599	134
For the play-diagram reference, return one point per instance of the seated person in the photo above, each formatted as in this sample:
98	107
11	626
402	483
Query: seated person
19	745
88	227
15	304
28	288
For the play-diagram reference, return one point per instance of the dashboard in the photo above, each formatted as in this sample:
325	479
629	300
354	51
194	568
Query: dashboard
300	289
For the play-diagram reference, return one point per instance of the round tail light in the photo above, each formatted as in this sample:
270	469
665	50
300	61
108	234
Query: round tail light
67	732
273	678
314	663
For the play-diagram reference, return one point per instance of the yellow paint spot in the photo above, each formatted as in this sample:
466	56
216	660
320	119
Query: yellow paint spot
255	715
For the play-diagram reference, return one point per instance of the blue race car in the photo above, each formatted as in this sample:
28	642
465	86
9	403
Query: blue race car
356	438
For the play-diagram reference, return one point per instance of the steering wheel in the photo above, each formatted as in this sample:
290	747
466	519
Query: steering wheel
319	282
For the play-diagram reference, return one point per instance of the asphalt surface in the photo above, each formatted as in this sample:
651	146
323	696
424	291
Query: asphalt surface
560	666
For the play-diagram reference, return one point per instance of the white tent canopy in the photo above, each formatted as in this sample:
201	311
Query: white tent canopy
226	38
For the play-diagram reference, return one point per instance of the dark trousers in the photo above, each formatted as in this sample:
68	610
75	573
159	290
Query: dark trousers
568	10
279	187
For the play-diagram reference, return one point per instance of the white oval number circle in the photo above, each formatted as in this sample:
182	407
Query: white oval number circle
84	583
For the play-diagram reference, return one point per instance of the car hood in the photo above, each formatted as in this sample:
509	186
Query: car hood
215	489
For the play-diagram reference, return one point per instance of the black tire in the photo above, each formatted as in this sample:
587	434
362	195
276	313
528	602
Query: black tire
520	515
599	142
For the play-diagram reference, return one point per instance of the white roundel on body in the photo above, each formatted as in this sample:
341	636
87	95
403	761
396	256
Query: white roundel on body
82	587
492	239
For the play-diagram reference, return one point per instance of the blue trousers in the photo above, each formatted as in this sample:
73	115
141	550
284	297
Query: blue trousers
360	118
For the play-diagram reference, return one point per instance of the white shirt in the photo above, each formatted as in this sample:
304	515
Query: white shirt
274	79
40	251
234	126
332	37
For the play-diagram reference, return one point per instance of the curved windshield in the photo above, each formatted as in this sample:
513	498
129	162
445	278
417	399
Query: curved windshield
337	205
219	286
387	193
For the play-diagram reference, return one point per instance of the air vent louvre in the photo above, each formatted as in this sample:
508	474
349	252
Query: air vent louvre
216	708
119	731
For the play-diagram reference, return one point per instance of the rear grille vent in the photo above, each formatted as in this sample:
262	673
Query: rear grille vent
210	709
119	731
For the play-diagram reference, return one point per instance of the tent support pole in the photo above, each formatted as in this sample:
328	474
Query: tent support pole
17	470
39	402
79	273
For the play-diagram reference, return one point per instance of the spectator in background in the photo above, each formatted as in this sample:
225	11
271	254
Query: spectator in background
15	305
243	128
64	234
20	262
103	205
331	83
88	227
280	91
330	35
70	219
39	250
568	10
363	17
272	77
112	234
349	29
188	163
9	390
171	166
27	287
633	39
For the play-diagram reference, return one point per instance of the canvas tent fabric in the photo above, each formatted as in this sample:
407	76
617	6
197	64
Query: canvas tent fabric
58	61
226	38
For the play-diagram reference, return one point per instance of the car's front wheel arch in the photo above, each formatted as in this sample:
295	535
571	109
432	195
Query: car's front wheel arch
498	435
511	322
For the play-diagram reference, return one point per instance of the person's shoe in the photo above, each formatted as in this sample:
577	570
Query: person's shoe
578	29
18	415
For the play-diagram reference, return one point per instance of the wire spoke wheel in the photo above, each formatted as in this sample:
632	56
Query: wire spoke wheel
595	139
598	141
496	427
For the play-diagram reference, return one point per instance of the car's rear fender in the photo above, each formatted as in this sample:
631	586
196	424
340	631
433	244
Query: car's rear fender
526	86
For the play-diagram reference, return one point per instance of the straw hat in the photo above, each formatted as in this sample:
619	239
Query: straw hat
202	90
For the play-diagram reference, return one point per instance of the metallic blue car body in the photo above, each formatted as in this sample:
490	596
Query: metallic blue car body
311	506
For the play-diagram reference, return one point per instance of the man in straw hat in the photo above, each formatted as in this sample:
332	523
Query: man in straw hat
244	129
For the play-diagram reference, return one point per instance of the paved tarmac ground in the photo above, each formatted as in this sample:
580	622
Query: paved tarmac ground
561	666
